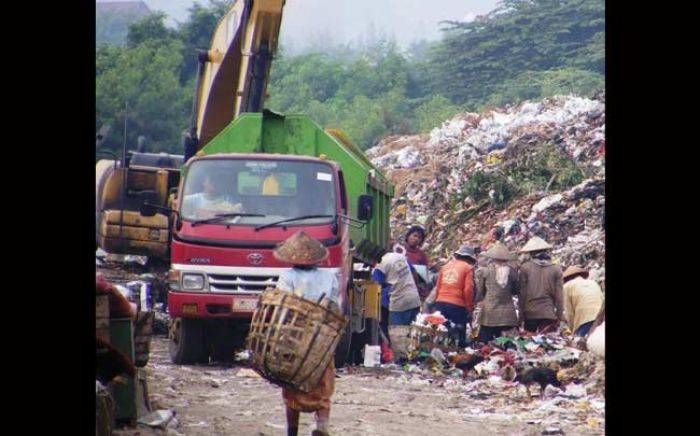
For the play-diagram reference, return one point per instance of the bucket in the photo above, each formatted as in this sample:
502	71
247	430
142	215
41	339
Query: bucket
373	355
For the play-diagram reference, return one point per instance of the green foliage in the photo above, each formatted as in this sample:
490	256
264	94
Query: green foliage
526	49
196	33
365	97
150	28
533	172
547	168
112	27
145	76
480	58
155	74
538	84
492	186
433	112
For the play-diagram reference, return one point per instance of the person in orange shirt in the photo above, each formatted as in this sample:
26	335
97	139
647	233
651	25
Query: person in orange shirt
454	290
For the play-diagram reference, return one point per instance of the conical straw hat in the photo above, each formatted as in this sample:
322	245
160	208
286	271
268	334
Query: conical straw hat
535	244
573	270
301	249
498	251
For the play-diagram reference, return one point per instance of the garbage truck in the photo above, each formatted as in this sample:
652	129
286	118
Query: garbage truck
250	179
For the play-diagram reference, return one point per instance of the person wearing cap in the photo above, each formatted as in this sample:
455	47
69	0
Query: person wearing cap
496	284
583	300
540	285
454	290
306	280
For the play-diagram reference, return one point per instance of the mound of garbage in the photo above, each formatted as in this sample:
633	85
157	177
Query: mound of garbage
499	376
537	168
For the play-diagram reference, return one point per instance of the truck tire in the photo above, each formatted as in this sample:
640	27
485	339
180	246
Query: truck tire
220	340
342	353
187	341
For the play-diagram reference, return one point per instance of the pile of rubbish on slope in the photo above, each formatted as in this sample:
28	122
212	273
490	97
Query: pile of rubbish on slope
433	175
574	394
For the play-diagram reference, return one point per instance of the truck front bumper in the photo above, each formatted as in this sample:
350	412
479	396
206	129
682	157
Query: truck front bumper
207	305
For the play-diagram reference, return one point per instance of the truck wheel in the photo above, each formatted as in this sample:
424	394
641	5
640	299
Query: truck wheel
342	353
186	341
220	339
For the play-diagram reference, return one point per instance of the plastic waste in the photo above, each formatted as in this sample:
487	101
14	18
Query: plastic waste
372	356
596	341
160	419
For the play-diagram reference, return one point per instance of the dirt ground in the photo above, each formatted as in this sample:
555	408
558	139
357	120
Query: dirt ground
232	400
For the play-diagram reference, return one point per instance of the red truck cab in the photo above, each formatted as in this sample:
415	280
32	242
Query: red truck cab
233	210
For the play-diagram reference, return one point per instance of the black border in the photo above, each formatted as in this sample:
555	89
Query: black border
56	306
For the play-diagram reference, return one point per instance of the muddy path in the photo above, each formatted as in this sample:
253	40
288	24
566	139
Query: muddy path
232	400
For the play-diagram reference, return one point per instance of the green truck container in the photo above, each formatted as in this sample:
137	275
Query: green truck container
296	134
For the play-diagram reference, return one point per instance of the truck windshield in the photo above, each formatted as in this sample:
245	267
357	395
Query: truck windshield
266	189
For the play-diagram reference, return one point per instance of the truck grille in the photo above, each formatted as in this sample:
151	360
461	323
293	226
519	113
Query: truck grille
240	284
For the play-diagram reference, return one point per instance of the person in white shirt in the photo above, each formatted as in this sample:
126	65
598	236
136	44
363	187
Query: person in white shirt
306	280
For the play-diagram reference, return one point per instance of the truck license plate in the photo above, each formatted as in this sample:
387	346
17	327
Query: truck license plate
245	304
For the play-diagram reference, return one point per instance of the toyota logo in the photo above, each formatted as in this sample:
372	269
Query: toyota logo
255	258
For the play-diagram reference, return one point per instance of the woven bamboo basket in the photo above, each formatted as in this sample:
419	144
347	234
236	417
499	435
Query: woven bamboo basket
293	340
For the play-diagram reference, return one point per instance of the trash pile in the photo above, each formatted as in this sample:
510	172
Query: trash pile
535	169
495	377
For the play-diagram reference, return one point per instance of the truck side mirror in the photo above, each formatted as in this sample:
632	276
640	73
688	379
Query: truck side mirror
148	209
364	207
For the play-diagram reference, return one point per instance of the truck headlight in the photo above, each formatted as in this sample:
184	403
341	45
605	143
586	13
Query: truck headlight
192	282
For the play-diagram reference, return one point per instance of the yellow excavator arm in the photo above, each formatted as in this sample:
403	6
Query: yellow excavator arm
234	72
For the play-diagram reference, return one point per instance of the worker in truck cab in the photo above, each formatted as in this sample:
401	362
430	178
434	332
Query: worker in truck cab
309	282
211	200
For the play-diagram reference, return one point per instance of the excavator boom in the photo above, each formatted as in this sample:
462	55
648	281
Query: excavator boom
234	72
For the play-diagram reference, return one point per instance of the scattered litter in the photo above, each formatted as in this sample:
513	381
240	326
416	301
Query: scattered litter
276	426
243	356
547	202
247	372
162	419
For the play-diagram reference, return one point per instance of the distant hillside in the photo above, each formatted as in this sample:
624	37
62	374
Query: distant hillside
113	20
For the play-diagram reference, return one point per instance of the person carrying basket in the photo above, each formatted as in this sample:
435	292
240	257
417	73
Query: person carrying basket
309	282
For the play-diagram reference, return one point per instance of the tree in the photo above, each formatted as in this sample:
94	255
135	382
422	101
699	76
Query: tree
433	112
521	35
111	27
145	76
196	33
150	28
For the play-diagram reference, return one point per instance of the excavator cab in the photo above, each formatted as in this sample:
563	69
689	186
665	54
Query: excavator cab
121	193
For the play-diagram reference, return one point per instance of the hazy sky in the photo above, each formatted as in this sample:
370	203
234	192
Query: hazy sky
309	21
